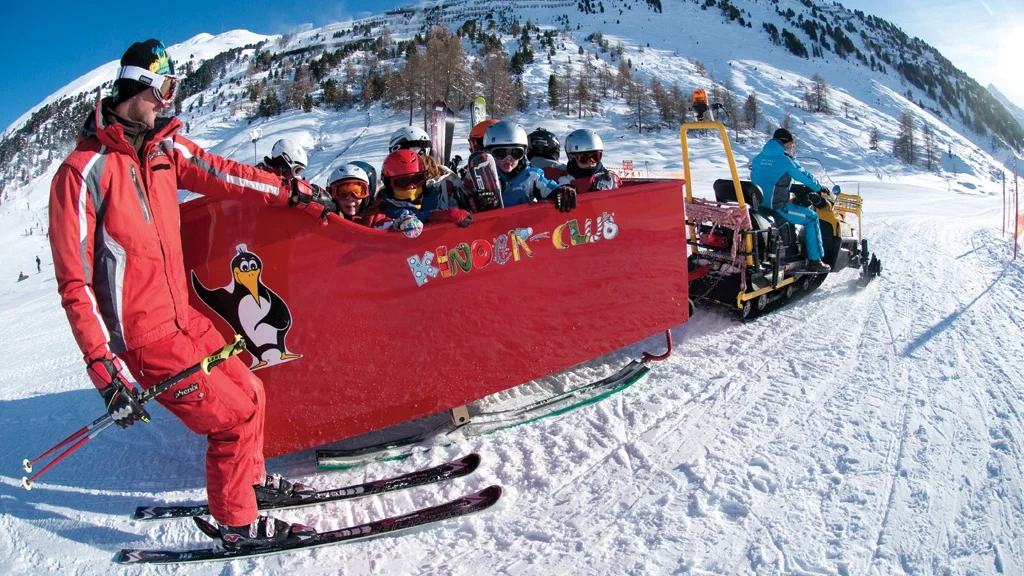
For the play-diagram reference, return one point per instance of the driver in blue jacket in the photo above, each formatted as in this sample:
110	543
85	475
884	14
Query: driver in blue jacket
774	170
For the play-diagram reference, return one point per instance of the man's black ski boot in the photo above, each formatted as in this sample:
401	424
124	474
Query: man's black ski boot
276	489
264	532
818	267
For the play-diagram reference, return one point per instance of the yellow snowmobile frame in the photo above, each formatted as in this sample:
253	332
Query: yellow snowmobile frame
836	217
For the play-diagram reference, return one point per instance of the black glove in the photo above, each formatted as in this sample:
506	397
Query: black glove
454	164
306	197
324	197
485	200
118	395
565	198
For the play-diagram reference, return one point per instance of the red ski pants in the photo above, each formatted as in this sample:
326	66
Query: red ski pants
227	406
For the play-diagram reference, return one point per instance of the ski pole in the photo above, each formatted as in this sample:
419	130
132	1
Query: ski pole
90	431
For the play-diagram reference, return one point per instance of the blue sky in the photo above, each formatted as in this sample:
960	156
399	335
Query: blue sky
985	38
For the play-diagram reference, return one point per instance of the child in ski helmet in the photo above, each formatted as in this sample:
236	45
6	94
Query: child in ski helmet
544	152
584	169
287	159
476	135
410	138
410	201
351	189
520	183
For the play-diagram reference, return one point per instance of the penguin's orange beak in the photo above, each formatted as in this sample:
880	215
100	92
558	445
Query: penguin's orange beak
251	281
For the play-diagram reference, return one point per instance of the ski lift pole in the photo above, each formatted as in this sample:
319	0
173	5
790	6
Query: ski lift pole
255	136
93	429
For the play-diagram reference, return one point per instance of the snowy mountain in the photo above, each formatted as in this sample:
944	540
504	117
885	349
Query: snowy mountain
1017	111
873	430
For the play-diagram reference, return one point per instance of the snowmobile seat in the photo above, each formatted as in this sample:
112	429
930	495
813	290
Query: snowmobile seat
726	192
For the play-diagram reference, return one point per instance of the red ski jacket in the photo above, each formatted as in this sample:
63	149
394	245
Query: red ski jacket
114	230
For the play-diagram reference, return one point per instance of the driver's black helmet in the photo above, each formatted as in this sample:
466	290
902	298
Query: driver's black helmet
544	144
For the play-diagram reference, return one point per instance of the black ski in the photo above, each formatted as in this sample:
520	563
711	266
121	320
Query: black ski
465	505
454	469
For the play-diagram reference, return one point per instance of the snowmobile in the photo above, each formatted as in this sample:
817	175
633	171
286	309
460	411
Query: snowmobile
354	330
749	259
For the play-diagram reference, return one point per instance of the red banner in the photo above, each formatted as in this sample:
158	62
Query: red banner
627	164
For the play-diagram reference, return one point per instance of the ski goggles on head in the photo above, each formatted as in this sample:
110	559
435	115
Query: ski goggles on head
503	152
356	188
165	87
408	181
422	147
591	156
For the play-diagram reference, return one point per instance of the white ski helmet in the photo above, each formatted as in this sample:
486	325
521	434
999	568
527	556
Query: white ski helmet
348	172
505	133
583	140
290	153
409	137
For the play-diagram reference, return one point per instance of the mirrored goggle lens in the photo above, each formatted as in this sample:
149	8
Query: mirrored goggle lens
408	181
167	89
354	187
502	153
593	156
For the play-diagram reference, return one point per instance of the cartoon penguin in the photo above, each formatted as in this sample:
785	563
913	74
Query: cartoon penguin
251	309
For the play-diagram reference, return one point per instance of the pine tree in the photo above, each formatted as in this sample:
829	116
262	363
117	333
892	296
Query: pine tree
931	149
625	77
751	111
553	92
640	103
904	147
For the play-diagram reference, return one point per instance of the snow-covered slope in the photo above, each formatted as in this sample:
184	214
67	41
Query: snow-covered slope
872	430
1017	111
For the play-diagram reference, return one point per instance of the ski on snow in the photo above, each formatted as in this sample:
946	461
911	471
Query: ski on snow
484	423
463	506
454	469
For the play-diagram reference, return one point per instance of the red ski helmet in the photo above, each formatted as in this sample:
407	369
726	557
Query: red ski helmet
405	174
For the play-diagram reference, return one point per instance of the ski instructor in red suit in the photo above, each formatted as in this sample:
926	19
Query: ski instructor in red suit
116	242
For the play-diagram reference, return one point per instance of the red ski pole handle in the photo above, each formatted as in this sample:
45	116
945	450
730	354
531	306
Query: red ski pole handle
86	433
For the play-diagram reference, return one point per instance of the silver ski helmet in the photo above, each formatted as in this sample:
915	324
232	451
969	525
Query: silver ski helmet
505	134
349	172
350	180
583	140
371	173
409	137
288	154
545	144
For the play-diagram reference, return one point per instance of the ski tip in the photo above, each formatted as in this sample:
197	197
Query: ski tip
490	495
143	513
471	461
